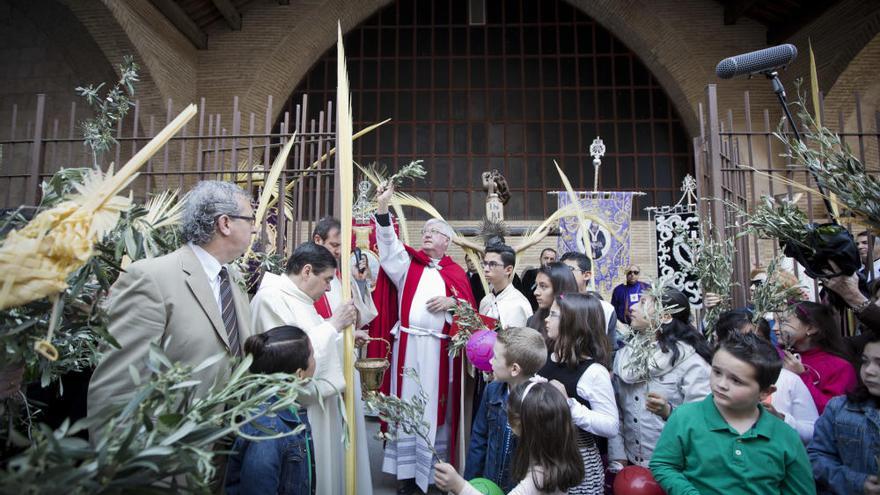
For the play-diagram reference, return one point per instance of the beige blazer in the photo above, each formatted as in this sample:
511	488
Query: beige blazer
166	300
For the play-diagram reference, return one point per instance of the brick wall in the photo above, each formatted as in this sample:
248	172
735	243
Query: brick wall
42	48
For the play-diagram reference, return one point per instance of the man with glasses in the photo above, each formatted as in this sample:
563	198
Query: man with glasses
582	269
187	299
503	302
415	292
627	294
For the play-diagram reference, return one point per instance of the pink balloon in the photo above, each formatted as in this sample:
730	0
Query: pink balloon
479	349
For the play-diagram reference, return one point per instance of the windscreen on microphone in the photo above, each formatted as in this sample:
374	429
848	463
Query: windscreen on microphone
755	62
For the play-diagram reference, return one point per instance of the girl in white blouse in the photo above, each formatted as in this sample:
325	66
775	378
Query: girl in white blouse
546	459
578	361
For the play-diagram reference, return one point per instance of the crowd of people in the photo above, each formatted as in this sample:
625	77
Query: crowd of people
780	403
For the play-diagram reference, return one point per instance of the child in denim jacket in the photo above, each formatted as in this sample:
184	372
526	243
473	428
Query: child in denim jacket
518	354
846	442
283	465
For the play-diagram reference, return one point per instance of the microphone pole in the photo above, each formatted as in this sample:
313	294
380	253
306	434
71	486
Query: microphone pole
779	89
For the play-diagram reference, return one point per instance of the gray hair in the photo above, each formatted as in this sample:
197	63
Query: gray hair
441	225
203	204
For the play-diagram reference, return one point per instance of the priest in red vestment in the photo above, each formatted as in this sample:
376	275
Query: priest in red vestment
415	291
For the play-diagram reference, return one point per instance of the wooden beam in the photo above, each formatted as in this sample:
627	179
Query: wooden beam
734	9
179	18
230	13
283	2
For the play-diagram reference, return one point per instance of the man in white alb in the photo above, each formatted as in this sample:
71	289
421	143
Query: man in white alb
289	300
419	287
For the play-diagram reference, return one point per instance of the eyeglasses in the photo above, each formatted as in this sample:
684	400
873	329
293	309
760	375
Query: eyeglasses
491	264
553	314
574	269
251	218
633	272
756	283
434	233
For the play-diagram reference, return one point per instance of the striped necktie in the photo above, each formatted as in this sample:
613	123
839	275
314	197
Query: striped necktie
229	318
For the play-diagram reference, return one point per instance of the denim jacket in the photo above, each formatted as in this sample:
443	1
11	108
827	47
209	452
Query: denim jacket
492	441
845	443
283	466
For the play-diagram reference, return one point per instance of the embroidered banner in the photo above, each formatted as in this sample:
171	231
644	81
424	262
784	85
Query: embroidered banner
674	256
610	248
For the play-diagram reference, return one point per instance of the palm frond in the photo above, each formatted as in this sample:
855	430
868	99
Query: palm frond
163	210
290	185
535	236
404	199
274	174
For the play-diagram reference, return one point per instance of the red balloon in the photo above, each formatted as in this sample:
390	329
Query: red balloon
636	480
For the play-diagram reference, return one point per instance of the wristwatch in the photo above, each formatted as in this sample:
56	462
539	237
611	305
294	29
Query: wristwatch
863	306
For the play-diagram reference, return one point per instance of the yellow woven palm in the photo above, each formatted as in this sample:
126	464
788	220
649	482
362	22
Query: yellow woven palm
36	260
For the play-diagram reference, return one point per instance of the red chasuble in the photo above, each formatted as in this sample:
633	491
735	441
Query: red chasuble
385	298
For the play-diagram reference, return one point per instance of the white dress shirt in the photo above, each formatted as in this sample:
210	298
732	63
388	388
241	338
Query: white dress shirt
509	306
212	270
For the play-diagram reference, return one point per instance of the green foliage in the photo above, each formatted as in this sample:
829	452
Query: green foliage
414	170
403	415
773	296
254	265
643	342
713	267
141	232
833	163
468	321
109	108
781	220
161	440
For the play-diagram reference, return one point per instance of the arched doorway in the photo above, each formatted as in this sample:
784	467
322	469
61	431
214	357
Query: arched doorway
537	81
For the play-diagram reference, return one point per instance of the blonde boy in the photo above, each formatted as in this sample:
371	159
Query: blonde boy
518	354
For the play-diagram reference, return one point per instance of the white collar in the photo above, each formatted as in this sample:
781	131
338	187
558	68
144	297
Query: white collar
504	292
210	264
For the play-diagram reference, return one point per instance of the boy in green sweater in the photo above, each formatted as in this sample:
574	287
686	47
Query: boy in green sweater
728	443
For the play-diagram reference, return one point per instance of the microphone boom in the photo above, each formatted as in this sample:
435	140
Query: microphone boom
757	62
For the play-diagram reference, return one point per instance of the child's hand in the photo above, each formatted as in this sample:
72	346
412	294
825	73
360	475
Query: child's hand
658	405
872	485
792	362
447	479
559	386
772	410
711	299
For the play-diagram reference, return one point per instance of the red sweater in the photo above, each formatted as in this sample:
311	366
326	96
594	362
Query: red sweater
826	376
